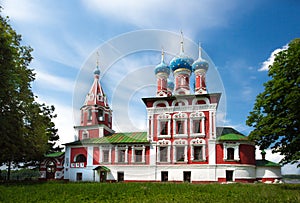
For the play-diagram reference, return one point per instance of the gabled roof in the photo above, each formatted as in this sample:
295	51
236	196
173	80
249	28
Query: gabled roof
266	163
116	138
55	154
227	130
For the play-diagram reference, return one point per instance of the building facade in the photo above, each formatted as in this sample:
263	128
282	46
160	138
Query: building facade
182	142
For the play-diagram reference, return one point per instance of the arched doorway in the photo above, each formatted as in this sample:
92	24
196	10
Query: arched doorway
50	169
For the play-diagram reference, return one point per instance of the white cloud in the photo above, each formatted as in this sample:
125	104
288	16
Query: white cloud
48	81
270	60
166	14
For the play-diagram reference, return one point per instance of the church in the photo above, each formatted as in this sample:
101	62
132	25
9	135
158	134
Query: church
182	142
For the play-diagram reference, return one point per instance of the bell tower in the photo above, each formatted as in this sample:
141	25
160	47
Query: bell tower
96	115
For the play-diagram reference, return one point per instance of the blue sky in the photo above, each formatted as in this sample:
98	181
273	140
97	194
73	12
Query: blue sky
239	38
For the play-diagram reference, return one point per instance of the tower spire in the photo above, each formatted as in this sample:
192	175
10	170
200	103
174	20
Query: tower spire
162	55
199	51
181	43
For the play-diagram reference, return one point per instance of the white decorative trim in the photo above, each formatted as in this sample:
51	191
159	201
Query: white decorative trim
160	102
185	101
200	116
164	118
190	108
164	143
180	143
198	142
121	147
235	147
195	101
182	117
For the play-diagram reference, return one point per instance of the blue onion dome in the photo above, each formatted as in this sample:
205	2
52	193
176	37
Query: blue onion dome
162	67
181	61
170	85
200	63
97	71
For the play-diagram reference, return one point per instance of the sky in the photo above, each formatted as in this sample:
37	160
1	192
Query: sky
239	39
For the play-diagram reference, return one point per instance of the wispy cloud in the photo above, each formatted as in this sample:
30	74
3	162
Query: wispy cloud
161	14
270	60
53	82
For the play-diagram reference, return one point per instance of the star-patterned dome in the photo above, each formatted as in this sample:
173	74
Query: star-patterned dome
162	67
182	60
200	63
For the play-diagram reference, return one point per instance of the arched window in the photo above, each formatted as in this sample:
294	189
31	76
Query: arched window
80	158
90	114
100	115
50	167
230	153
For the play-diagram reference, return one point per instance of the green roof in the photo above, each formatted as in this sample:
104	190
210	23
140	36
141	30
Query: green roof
102	168
55	154
266	163
116	138
232	137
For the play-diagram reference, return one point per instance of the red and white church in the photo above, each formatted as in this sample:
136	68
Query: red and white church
182	143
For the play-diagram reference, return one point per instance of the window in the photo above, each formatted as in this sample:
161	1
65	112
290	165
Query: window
78	176
196	126
138	155
230	153
90	114
179	127
198	149
121	156
85	134
187	176
198	154
164	176
163	151
100	115
80	158
164	127
179	153
120	176
229	175
105	156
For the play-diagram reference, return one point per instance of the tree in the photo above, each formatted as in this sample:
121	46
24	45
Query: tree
26	128
276	113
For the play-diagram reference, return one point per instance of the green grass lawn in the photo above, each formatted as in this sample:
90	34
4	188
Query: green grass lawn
147	192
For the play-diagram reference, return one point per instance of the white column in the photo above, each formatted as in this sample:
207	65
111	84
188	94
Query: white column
126	154
185	154
143	154
132	154
109	154
169	152
116	154
158	154
100	154
90	156
212	152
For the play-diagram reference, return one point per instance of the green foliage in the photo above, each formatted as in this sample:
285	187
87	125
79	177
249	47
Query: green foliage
148	192
22	174
276	113
26	128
